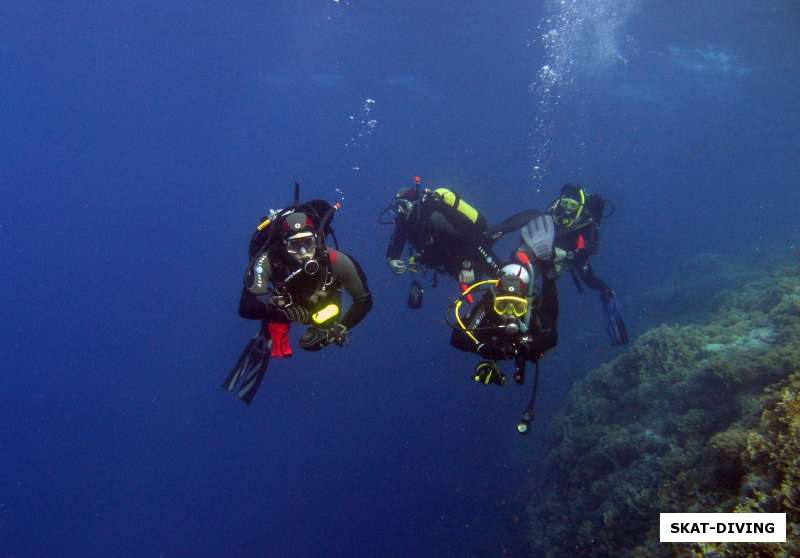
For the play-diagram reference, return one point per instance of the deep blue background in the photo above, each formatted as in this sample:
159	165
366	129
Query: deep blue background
142	141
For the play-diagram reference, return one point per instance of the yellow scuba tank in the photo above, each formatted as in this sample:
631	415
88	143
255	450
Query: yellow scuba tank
454	200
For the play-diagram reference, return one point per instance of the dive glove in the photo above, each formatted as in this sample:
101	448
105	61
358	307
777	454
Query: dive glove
398	267
539	235
318	337
467	273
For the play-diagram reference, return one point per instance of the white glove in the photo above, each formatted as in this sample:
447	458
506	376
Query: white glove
539	235
398	267
467	275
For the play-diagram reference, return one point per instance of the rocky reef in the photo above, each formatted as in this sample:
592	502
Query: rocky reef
692	418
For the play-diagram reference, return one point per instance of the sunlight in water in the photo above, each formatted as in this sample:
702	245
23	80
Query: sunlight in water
578	37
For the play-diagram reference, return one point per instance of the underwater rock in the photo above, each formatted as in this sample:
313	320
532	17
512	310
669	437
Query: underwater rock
698	418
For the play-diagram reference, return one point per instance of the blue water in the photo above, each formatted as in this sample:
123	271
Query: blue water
142	141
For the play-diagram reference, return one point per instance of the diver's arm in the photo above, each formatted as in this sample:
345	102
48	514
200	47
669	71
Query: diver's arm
547	336
476	319
588	242
397	242
251	308
351	277
548	309
460	341
513	223
592	238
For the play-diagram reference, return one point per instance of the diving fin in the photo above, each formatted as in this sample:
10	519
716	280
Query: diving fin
246	376
617	331
539	235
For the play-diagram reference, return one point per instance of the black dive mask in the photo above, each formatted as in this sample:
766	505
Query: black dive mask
303	249
402	208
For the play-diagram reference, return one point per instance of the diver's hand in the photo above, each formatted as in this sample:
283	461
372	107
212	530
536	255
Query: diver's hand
467	274
540	235
398	267
295	314
317	338
338	334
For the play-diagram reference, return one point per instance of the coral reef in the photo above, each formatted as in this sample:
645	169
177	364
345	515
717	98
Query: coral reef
689	419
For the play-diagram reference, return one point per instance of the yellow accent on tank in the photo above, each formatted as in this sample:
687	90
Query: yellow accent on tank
448	197
322	316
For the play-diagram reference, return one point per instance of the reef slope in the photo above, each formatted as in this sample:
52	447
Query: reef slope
691	418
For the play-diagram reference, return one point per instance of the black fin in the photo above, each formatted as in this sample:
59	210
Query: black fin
249	371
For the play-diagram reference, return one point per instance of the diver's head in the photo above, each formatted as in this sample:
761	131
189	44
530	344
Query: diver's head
300	240
568	208
511	292
403	203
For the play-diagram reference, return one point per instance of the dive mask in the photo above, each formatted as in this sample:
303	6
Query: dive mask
506	305
509	298
566	212
402	208
302	246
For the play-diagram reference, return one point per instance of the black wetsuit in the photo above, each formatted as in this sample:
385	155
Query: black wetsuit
580	243
495	344
443	239
313	293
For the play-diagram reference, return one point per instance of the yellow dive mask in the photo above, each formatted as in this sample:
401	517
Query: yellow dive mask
506	305
567	211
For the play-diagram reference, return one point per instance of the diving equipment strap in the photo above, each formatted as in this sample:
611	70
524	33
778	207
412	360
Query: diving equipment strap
460	300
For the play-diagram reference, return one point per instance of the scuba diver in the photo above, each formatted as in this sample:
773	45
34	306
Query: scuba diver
513	318
292	276
577	215
443	232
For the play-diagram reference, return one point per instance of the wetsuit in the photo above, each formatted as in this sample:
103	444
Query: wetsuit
580	243
443	239
496	344
314	292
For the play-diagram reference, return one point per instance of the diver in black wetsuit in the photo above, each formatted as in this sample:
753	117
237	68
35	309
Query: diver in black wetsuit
577	215
514	319
444	234
293	277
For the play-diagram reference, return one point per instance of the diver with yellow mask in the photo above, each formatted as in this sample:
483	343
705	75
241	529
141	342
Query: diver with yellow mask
577	215
513	318
292	276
